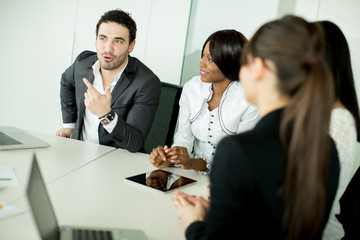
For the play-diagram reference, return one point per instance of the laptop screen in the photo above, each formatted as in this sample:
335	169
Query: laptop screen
40	204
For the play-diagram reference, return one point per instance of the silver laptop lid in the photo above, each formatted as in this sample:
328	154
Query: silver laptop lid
45	218
40	204
15	138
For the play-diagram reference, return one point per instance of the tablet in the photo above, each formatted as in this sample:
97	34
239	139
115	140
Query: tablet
160	180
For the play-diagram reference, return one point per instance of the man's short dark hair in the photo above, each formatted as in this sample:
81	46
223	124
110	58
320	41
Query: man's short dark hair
120	17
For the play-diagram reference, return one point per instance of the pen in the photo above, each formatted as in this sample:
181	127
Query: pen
5	179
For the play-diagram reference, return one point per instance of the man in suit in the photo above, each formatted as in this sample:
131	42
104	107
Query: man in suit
109	97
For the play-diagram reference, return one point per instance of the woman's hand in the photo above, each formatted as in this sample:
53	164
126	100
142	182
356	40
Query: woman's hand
190	208
158	158
179	155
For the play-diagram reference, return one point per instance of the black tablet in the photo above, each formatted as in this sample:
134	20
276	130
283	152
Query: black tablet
160	180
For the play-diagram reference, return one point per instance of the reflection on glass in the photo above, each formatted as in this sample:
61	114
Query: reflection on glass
161	180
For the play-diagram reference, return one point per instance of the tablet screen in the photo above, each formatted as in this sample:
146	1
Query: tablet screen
161	180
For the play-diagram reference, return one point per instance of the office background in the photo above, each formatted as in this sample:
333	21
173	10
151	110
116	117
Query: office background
41	38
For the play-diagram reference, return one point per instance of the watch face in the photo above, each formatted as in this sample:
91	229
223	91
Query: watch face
107	118
105	121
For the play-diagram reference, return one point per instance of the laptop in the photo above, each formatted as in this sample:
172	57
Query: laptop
47	224
15	138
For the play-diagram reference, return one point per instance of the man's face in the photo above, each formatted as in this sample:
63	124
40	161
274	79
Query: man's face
113	46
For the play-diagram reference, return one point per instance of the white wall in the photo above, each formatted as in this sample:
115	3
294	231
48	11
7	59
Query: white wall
344	13
41	38
162	25
35	45
87	18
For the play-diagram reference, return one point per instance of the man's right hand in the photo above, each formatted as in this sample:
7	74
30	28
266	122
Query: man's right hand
65	132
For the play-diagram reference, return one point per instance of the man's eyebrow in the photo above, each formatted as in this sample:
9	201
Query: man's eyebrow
116	38
120	38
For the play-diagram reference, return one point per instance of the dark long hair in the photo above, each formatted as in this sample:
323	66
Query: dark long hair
337	56
225	49
295	47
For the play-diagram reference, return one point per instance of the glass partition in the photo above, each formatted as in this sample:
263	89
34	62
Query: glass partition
208	16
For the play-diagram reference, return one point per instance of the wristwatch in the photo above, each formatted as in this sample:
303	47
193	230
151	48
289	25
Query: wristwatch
107	118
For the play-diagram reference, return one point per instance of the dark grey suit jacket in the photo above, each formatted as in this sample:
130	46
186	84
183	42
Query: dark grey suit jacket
135	98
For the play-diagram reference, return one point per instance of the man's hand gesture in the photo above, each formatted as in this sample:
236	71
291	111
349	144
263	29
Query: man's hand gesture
96	102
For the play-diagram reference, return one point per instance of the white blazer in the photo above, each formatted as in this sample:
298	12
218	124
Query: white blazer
200	130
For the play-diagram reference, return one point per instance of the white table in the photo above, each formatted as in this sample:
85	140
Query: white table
86	186
20	226
62	157
97	195
66	155
21	162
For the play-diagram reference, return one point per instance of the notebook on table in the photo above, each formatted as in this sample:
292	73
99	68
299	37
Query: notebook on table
47	224
15	138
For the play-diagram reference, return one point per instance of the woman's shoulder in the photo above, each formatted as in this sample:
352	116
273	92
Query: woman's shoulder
235	93
343	132
232	149
196	88
249	140
342	121
237	87
342	114
249	151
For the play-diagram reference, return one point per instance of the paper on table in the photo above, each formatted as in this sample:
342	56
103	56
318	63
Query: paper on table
8	211
7	177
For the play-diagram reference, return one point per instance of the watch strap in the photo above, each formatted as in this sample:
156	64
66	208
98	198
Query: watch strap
107	118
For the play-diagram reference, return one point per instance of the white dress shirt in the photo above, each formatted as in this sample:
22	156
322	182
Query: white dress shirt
200	130
91	124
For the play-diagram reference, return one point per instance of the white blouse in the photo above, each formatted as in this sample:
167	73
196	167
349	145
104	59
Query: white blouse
200	130
343	132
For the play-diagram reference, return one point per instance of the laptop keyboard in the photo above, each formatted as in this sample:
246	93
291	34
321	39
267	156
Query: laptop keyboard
79	234
6	140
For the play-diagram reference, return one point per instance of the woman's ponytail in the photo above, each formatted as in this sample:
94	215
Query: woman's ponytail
304	132
295	48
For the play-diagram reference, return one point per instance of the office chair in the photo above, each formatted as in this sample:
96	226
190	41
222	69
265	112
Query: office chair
164	124
350	206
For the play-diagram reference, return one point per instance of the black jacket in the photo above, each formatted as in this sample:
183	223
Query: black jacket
247	171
